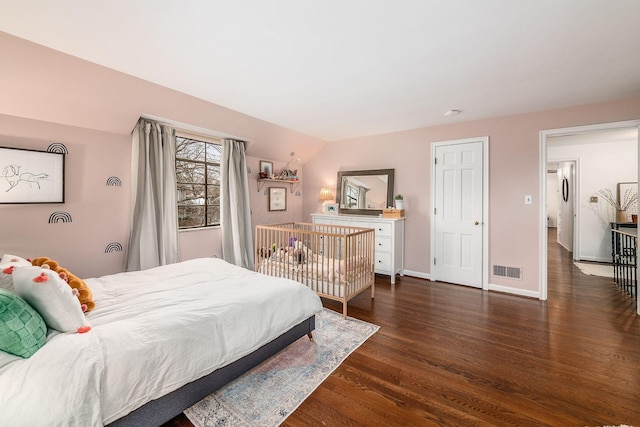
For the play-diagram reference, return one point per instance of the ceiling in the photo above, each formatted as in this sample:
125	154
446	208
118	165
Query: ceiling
337	69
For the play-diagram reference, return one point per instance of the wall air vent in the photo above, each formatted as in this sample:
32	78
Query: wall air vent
510	272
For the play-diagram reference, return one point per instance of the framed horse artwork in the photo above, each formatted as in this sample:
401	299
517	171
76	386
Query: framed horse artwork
31	176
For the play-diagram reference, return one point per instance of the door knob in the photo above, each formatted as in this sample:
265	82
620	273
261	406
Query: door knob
476	223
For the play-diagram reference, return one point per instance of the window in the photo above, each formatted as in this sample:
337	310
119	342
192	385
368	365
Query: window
351	196
198	181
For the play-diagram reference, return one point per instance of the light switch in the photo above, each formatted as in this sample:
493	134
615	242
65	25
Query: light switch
528	200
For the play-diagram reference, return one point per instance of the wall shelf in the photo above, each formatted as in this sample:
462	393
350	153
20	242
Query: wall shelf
293	183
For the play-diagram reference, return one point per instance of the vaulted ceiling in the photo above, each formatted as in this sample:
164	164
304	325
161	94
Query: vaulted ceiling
337	69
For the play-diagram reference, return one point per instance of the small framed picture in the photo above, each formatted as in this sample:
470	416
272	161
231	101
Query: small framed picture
331	208
266	169
277	199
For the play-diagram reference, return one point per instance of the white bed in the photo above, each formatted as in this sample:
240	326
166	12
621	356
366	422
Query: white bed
152	333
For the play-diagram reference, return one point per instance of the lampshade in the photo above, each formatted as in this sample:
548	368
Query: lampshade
326	194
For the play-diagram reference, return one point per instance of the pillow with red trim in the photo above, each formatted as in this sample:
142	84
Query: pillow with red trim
7	264
84	292
54	300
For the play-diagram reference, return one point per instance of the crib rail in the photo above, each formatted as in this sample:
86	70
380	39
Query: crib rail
335	261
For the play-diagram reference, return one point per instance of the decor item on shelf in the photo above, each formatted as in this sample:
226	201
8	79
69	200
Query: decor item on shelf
626	200
286	174
393	213
266	169
325	195
399	201
331	208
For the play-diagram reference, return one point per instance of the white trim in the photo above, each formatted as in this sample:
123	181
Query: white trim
418	274
514	291
542	224
485	202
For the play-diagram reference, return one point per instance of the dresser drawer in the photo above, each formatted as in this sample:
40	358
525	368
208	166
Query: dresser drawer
382	228
383	262
383	244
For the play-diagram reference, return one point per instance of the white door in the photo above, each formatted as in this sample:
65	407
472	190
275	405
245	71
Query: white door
458	213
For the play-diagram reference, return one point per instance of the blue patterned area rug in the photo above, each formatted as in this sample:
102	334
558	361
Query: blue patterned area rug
267	394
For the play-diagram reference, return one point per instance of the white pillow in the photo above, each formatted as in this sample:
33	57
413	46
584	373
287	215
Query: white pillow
52	297
8	261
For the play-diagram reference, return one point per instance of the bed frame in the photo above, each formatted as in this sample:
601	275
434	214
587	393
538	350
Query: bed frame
335	261
161	410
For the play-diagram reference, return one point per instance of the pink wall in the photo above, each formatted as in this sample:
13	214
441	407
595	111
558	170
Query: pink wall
48	96
99	213
513	172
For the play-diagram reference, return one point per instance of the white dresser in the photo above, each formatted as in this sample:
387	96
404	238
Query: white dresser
389	239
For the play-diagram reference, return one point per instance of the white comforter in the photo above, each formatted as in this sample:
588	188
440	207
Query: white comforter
153	331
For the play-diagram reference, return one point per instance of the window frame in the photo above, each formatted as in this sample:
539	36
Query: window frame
207	184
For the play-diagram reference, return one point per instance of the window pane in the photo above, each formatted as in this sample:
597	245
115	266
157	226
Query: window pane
213	215
214	152
190	149
213	175
189	172
190	216
213	195
190	194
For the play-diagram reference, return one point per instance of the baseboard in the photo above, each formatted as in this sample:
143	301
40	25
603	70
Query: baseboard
496	288
515	291
418	274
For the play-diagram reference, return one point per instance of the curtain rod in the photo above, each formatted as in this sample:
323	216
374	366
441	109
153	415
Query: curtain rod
196	129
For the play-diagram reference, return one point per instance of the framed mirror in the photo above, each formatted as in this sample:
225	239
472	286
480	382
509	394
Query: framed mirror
364	192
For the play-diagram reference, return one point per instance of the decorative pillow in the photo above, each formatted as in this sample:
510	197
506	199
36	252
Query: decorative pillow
7	264
52	297
85	295
22	330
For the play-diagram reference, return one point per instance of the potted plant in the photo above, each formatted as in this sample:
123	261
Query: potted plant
399	200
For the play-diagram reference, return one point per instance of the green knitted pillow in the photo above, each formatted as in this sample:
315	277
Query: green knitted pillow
22	330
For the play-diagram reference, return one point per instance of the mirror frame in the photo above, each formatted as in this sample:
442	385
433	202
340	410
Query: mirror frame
390	176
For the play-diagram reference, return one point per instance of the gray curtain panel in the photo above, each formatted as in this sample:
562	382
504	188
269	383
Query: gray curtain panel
237	236
153	238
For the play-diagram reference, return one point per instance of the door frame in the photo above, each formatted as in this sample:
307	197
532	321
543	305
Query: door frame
544	134
484	140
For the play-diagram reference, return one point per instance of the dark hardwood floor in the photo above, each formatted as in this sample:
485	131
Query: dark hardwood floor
448	355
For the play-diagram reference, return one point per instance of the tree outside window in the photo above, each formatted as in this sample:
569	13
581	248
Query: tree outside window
198	182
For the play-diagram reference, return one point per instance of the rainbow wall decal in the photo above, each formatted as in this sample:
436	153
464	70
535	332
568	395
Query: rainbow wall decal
114	181
60	216
113	247
57	147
